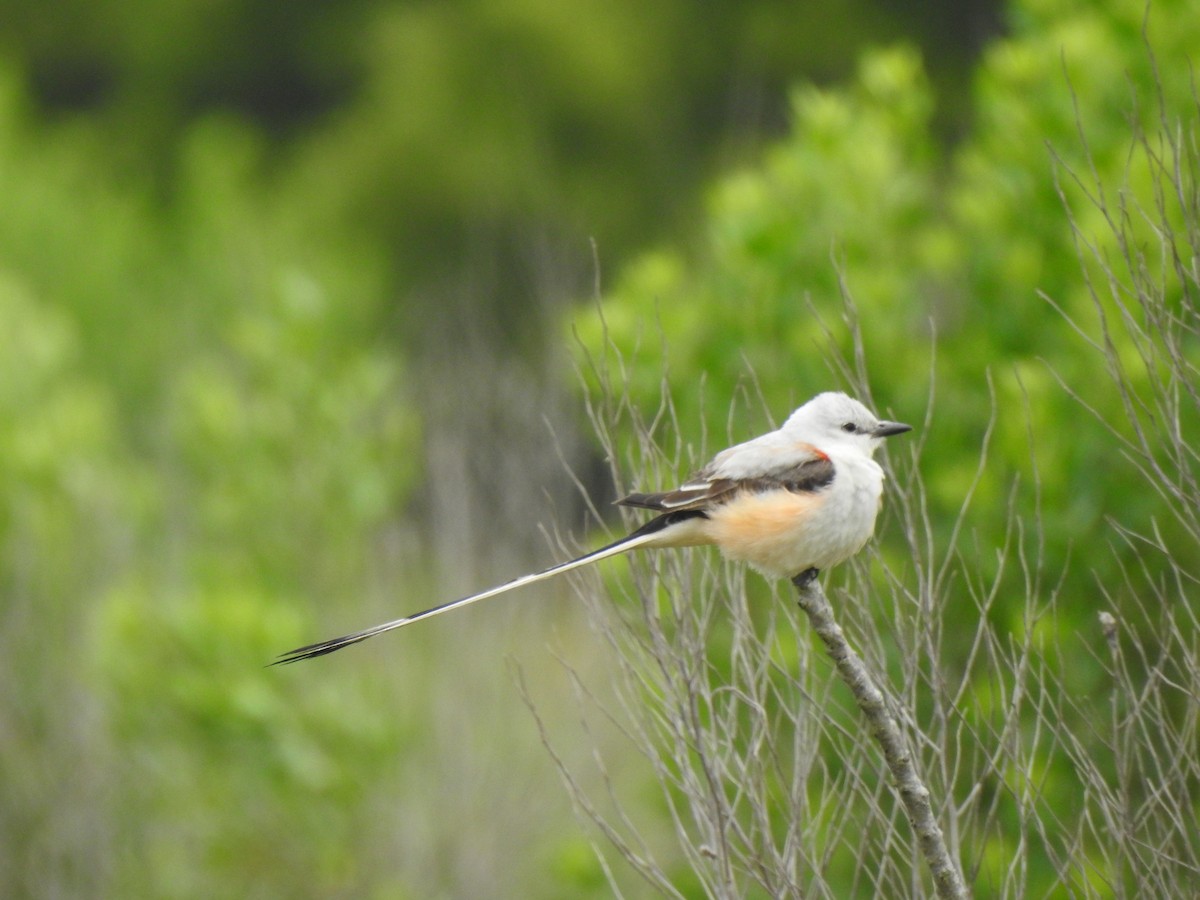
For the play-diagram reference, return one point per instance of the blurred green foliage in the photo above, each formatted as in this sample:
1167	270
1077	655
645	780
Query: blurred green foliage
980	277
213	220
457	131
201	440
948	260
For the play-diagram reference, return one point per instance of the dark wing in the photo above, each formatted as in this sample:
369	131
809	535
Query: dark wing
701	493
696	494
804	478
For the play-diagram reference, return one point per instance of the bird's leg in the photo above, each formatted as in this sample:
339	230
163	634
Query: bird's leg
805	578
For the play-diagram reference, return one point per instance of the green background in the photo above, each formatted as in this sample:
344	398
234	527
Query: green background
294	299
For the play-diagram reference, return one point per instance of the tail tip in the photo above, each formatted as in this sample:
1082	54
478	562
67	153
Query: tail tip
321	648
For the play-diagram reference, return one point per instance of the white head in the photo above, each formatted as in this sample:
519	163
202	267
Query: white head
835	419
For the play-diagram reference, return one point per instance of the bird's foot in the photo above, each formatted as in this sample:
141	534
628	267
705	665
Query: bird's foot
805	578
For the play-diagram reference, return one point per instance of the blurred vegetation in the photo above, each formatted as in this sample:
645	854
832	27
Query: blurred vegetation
1041	271
265	271
961	265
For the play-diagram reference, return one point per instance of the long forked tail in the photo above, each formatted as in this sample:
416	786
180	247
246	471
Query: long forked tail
639	538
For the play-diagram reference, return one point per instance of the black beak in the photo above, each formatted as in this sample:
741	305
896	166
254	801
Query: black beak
887	429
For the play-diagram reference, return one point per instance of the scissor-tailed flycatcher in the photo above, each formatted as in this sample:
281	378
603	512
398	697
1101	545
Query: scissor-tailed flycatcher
790	503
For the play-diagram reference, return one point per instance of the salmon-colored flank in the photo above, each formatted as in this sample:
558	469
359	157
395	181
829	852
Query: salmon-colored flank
759	528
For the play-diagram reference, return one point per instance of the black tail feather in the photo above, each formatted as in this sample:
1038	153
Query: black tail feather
320	648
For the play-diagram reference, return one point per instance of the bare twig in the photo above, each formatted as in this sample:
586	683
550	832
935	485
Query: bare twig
913	792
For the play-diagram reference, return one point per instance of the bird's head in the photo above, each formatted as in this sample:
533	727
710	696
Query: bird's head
835	419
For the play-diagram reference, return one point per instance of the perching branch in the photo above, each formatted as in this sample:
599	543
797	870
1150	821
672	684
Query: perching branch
913	792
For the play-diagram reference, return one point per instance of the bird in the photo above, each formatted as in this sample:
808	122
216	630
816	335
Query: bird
790	503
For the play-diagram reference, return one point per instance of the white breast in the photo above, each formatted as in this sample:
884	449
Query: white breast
846	520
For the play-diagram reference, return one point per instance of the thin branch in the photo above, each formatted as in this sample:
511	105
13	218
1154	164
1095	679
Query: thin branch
913	792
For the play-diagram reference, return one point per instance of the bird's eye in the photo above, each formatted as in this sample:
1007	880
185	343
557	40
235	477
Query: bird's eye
850	428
